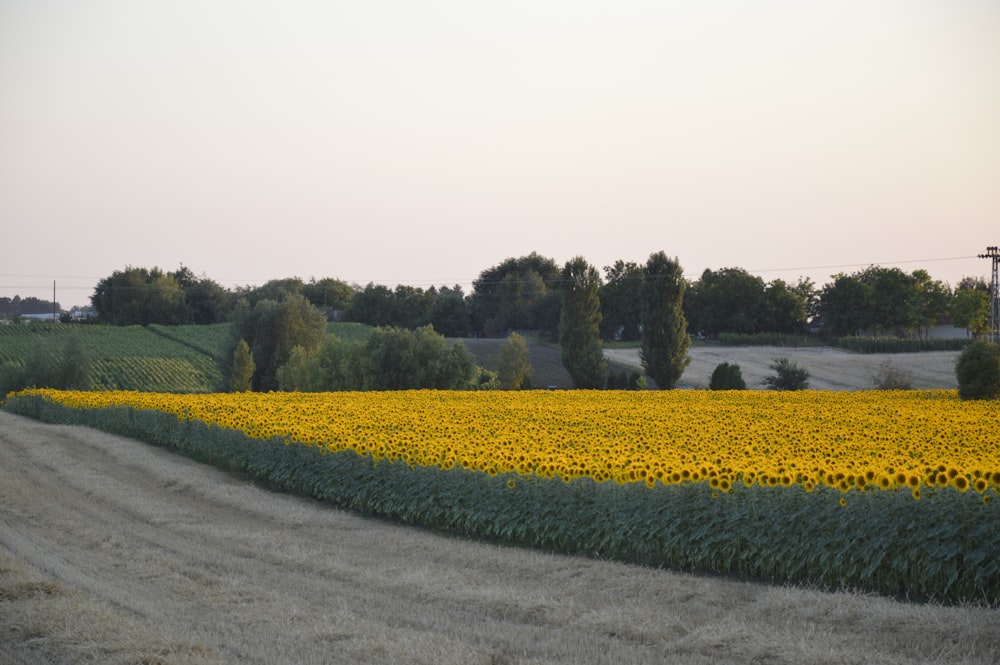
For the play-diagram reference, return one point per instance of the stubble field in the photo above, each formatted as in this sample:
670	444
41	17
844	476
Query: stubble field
829	368
112	551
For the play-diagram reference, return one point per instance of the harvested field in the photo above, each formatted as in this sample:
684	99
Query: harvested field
829	368
113	551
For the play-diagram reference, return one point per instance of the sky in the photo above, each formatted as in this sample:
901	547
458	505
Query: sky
422	142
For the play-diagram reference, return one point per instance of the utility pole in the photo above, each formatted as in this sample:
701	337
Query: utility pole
994	253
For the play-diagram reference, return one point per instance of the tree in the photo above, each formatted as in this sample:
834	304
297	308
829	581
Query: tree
928	302
141	296
787	376
138	296
450	313
621	306
970	306
888	297
45	367
399	359
374	305
727	376
579	325
786	308
205	300
730	300
665	341
843	305
331	296
241	378
978	371
73	369
271	330
514	369
512	295
273	289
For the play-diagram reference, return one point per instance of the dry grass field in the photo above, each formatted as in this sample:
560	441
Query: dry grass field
829	368
113	551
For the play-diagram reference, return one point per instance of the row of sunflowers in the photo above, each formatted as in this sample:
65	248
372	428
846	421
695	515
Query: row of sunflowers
881	491
888	440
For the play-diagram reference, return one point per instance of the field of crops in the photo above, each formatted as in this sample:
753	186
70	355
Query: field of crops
153	358
126	357
886	491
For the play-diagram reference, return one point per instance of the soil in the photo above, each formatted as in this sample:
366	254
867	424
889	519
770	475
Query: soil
114	551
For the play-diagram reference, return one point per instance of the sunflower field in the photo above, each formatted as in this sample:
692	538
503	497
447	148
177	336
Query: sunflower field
886	491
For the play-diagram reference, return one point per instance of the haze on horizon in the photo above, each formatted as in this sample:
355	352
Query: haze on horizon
421	143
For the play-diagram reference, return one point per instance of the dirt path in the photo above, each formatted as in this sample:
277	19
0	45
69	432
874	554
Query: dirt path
112	551
829	368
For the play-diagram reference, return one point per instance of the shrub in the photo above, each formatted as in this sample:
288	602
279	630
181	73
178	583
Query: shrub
978	371
727	377
788	376
890	377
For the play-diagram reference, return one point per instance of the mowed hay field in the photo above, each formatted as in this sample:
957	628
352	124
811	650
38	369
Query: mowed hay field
829	368
113	551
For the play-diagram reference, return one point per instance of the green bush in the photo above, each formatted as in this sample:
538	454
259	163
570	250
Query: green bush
978	371
727	377
788	376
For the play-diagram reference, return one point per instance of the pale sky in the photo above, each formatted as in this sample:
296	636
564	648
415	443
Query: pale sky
423	142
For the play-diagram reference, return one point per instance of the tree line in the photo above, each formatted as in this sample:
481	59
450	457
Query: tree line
281	344
277	332
526	293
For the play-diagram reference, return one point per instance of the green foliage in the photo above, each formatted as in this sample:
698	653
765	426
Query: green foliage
978	371
272	330
579	325
787	376
733	301
329	295
728	300
843	304
244	367
727	376
349	332
621	303
514	368
52	362
514	295
940	548
73	369
970	307
625	380
449	314
140	296
398	359
335	365
883	301
665	340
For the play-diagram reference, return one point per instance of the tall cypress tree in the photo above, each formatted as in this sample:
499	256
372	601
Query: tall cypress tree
665	340
579	325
